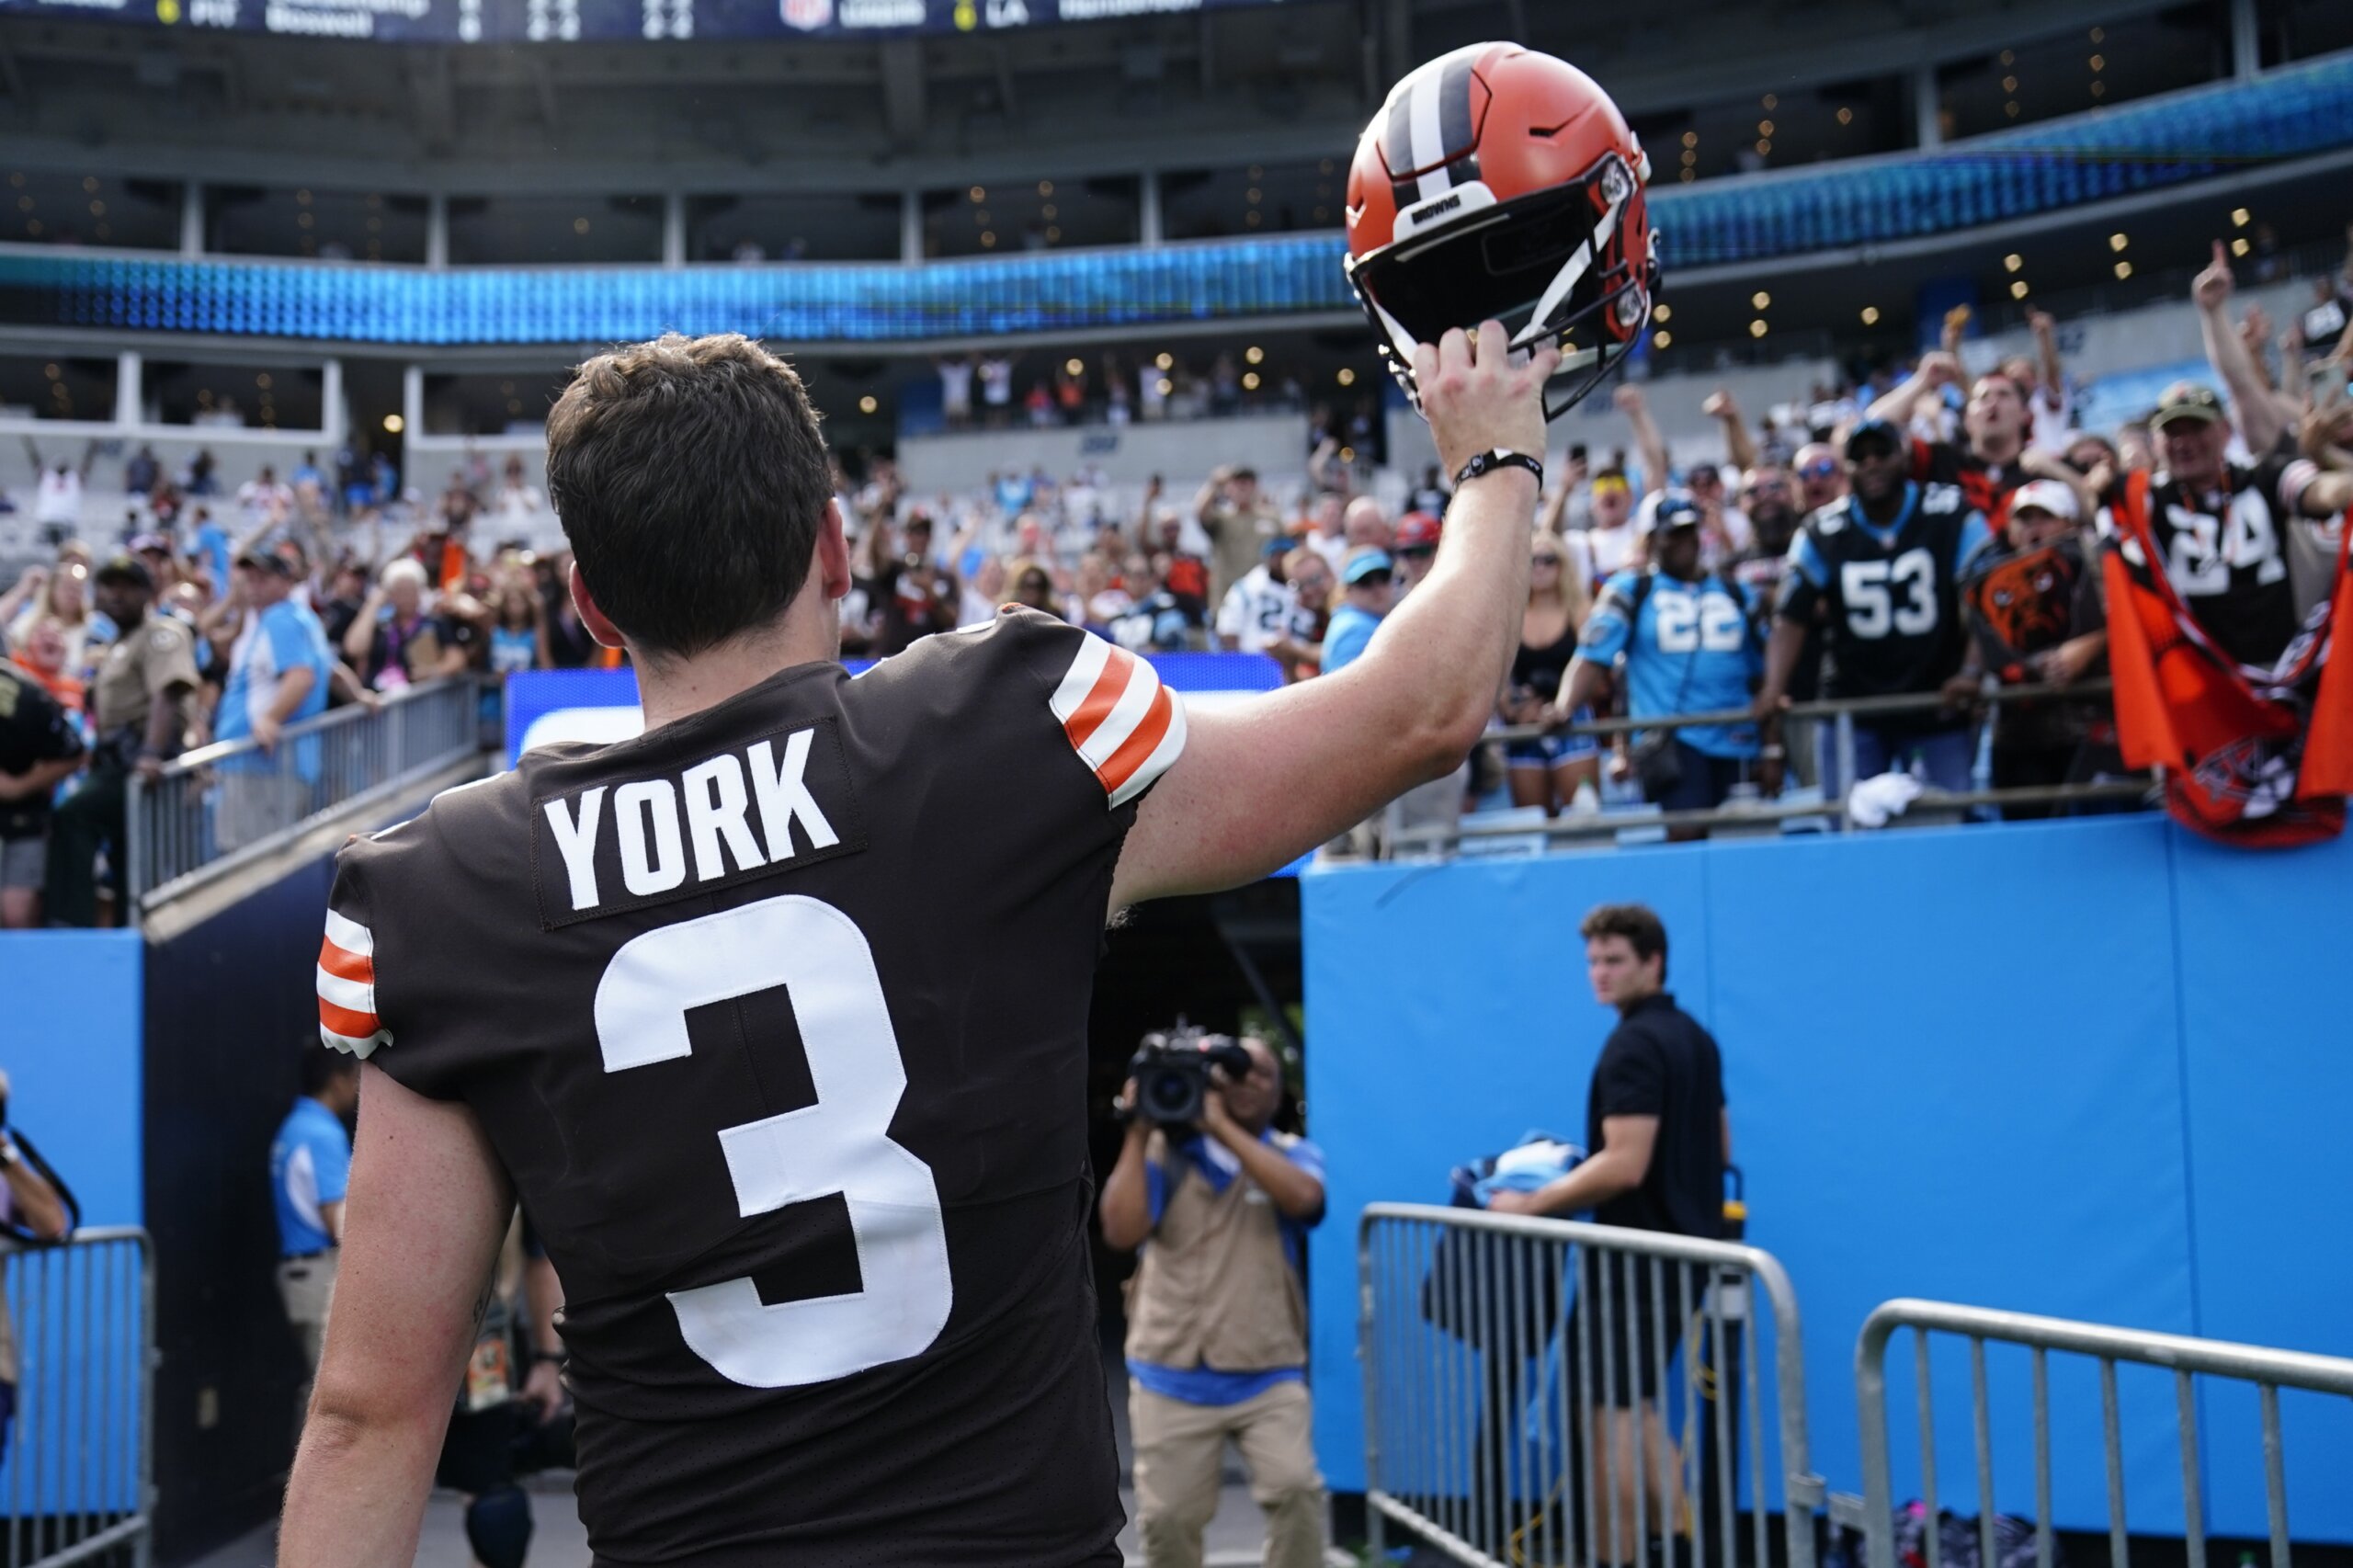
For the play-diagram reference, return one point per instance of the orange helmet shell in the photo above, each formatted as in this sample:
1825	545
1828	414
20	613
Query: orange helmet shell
1511	119
1499	141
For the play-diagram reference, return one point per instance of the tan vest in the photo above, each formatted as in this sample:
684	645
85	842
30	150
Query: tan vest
1213	1287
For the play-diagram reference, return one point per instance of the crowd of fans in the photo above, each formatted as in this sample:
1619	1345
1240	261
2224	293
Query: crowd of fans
1918	535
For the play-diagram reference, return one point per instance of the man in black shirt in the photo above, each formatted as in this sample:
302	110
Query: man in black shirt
1660	1138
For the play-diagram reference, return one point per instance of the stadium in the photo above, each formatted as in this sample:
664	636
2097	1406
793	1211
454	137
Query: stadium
1692	931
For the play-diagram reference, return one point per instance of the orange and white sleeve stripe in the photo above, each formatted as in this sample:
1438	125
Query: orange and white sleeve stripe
347	1018
1123	722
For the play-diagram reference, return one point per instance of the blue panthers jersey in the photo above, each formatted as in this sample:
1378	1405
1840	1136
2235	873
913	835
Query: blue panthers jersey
1689	648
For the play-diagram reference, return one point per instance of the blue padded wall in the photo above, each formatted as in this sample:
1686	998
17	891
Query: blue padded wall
70	1034
2088	1069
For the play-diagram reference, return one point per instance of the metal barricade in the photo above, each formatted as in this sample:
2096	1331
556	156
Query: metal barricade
1489	1342
79	1481
1840	715
222	805
2269	1370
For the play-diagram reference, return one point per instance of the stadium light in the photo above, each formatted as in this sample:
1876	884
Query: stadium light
1255	354
1662	314
2239	216
1161	386
1757	328
1870	315
1761	300
2239	247
394	424
2123	270
2017	288
1662	340
1347	376
1249	380
1846	117
1045	188
867	403
979	193
2013	261
2118	242
1166	361
1075	364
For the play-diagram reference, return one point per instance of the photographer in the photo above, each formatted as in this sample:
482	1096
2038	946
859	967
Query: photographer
1217	1315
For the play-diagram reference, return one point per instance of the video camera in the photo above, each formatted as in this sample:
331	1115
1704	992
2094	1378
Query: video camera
1172	1072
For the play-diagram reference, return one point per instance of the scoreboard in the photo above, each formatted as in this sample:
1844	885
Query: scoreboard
603	21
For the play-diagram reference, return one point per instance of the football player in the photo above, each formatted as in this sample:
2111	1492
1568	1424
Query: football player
776	1016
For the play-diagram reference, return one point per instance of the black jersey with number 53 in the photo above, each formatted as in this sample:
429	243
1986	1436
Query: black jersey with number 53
777	1018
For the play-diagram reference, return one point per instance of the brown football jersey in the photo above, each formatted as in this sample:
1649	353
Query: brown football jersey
776	1016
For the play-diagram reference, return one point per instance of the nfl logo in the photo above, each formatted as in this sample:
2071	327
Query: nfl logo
807	15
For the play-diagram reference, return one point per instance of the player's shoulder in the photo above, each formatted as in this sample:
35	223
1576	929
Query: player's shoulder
465	838
1110	705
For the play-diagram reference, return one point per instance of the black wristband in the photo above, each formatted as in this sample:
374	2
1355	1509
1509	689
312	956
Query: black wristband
539	1356
1488	462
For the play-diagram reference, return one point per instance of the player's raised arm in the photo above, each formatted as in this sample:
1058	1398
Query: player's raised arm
1259	785
428	1209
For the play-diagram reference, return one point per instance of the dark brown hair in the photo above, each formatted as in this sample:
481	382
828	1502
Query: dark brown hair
690	480
1637	923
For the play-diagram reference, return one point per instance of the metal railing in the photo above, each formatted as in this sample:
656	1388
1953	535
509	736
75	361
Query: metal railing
1485	1359
1843	714
80	1462
220	806
2269	1370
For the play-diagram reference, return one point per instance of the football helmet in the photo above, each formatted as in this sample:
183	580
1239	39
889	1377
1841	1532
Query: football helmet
1499	183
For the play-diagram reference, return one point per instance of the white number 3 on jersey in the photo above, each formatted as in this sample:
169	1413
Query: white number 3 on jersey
841	1144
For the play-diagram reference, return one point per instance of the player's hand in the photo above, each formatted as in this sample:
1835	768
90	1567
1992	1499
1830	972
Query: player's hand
2211	288
266	732
1478	396
1509	1202
1721	405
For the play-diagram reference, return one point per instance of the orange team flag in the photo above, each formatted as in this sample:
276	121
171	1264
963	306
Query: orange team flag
2240	765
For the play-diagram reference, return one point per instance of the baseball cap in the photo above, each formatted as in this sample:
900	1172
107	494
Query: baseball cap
1874	430
1361	566
2185	400
268	560
1417	531
125	569
2045	495
1666	509
146	542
